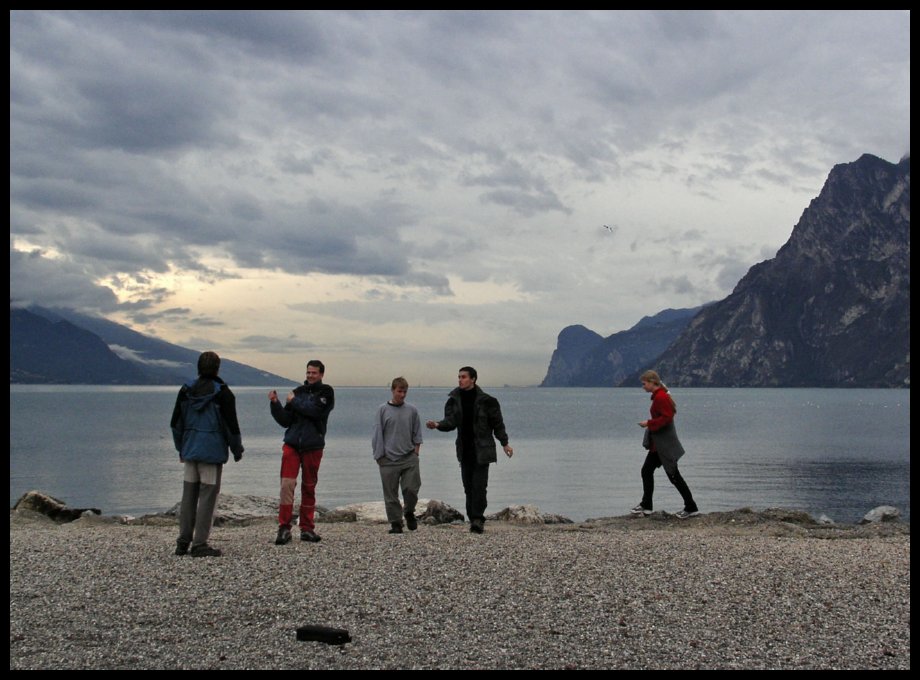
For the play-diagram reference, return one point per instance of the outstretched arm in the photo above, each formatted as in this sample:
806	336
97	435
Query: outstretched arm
451	419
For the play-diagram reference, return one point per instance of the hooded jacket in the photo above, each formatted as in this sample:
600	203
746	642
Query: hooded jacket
204	422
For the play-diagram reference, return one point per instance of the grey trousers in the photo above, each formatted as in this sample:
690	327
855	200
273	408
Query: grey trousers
394	474
200	488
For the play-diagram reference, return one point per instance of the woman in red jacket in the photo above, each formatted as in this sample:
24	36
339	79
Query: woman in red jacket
664	448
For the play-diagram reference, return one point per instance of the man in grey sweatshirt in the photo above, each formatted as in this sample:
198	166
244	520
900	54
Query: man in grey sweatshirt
396	443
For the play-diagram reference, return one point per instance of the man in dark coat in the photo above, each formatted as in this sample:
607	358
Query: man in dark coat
477	417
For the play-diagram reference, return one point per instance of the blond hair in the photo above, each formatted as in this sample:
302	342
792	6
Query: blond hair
652	377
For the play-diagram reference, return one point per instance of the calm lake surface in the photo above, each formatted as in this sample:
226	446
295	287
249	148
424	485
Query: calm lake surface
577	450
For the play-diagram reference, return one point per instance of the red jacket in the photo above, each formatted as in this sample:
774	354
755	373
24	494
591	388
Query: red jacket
662	410
661	433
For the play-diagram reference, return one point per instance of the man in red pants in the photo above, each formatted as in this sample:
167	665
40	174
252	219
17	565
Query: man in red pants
304	414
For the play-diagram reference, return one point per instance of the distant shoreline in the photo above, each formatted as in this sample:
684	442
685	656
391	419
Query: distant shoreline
236	509
246	510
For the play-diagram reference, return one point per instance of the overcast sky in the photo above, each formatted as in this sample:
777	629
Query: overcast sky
408	192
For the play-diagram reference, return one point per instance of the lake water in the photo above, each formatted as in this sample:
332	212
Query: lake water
577	450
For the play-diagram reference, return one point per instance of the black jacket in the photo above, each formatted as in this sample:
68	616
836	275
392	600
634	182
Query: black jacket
305	416
488	424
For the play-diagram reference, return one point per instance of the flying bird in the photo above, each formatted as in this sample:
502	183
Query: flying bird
612	230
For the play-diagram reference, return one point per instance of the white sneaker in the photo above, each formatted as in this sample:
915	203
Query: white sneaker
639	510
683	514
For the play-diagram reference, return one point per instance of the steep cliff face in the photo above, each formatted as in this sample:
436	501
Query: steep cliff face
573	343
831	309
584	358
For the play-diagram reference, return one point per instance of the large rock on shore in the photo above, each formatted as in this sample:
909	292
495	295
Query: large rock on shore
43	504
883	513
438	512
527	514
233	510
434	512
373	511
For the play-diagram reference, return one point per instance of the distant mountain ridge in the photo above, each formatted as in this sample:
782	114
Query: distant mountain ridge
44	351
831	309
584	358
61	346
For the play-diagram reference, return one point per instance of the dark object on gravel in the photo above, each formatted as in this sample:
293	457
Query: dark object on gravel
331	636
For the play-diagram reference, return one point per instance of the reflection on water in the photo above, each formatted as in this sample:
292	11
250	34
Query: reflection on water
577	451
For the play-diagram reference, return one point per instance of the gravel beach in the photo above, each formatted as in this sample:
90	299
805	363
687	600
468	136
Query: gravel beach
723	591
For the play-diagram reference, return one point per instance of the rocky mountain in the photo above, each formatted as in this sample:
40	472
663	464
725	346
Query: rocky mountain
584	358
62	346
832	309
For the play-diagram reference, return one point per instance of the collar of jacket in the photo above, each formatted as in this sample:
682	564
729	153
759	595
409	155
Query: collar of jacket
456	392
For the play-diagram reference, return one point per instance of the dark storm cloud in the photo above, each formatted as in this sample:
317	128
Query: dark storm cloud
103	103
36	279
91	88
296	36
510	184
327	236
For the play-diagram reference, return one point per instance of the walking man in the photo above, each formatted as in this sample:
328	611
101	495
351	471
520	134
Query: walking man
304	415
477	417
396	444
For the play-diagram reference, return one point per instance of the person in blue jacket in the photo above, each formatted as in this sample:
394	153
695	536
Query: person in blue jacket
204	426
